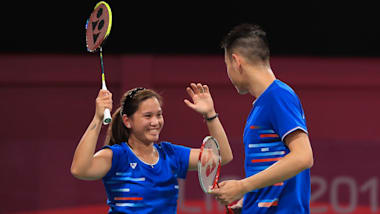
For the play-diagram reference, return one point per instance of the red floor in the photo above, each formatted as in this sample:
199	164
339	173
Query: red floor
102	208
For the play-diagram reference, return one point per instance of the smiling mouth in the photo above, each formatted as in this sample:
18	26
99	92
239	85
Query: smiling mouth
154	131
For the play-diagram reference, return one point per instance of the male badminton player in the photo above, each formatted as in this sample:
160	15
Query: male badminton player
278	153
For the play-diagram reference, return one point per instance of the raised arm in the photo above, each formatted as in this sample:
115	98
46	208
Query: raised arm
86	165
202	103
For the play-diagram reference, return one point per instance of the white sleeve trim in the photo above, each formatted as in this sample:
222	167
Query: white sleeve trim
292	130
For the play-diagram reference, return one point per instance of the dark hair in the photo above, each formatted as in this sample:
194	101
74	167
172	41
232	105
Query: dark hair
249	40
129	104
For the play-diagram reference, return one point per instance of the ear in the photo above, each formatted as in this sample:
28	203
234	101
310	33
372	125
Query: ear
237	61
126	121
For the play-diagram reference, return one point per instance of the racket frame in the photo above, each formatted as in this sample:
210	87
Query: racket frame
108	31
216	179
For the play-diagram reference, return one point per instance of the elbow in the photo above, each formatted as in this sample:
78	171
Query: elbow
79	175
308	162
82	174
311	162
74	172
227	159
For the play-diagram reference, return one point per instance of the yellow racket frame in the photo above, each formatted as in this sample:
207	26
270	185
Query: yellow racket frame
109	15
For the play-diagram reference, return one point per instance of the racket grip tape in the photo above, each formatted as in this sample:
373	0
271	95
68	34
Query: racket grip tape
107	117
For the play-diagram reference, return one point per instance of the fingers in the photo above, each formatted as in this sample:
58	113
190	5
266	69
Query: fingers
217	193
222	201
189	104
202	88
104	99
190	92
214	191
194	88
206	89
200	98
103	92
240	202
198	88
235	206
224	193
221	184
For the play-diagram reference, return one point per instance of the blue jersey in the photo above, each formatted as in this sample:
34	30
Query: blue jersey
133	186
275	113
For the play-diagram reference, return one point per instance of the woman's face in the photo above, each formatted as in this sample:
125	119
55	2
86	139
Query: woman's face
146	123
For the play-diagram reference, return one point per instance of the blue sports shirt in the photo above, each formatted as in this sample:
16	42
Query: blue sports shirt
133	186
275	113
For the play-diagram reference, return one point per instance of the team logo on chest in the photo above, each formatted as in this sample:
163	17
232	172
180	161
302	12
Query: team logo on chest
133	165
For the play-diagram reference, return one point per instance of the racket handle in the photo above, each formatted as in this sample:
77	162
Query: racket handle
107	117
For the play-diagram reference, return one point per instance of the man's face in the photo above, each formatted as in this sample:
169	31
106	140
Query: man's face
233	73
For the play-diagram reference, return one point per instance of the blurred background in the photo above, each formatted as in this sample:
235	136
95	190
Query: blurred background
328	52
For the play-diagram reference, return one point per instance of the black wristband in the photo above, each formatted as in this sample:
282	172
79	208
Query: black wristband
211	118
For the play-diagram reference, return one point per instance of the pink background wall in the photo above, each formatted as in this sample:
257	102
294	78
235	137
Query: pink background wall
47	101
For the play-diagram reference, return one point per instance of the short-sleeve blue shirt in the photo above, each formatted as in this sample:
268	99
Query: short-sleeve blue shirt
275	113
133	186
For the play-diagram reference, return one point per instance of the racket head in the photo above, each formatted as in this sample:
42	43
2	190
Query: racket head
209	162
98	26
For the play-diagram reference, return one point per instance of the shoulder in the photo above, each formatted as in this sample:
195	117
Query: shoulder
105	152
171	148
281	88
169	145
114	150
165	146
280	92
113	147
165	143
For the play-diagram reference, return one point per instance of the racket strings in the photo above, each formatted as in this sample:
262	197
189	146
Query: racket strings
99	13
208	166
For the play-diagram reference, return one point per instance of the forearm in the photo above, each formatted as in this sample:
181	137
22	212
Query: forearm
86	148
298	159
217	131
287	167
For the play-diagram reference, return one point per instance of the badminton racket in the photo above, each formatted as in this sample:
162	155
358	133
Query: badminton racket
98	27
209	163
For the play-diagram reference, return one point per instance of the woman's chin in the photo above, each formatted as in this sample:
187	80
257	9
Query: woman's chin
154	137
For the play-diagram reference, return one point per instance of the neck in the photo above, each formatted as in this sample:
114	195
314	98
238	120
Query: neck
140	147
145	152
259	79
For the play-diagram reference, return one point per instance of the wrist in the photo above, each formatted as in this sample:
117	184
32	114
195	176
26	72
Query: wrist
244	186
209	114
210	118
97	119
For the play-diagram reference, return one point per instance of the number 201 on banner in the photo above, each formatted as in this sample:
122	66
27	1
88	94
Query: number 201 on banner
320	188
